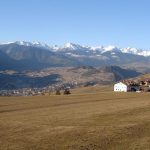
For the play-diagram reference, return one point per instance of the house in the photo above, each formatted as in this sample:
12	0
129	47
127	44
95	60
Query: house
126	87
121	87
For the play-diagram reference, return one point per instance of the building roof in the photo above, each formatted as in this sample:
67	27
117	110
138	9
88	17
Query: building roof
129	83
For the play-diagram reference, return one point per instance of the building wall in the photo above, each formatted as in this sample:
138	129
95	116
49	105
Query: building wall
120	87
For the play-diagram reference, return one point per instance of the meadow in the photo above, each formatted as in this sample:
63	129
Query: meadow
88	119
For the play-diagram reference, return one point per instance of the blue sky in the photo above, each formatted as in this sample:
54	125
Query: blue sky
89	22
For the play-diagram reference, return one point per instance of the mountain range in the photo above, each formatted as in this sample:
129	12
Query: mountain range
23	55
71	46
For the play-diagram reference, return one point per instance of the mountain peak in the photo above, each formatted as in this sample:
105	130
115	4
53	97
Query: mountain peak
33	44
72	46
23	43
110	48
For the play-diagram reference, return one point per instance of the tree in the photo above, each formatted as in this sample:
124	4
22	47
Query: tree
58	92
67	92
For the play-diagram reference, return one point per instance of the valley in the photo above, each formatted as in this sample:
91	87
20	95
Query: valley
27	83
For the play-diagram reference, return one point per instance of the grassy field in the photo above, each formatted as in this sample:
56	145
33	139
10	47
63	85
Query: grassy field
89	119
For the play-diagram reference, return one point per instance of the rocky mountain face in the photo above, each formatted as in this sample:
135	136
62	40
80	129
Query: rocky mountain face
22	56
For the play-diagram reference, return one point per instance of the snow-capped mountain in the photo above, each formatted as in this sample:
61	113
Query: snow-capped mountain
136	51
76	48
98	50
31	44
101	49
72	46
36	55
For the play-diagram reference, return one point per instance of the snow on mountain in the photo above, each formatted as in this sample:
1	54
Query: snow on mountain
33	44
5	43
98	50
80	50
72	46
95	48
136	51
54	48
110	48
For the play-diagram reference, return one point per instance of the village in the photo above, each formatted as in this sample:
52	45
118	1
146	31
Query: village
132	86
49	90
58	89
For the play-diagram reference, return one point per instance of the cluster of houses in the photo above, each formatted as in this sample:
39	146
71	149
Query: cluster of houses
122	86
50	90
132	86
23	92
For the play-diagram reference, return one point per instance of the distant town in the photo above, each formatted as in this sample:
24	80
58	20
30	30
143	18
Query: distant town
57	89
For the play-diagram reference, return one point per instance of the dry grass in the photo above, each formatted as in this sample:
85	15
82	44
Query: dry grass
85	120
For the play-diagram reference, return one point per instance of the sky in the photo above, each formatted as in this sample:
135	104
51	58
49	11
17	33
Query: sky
88	22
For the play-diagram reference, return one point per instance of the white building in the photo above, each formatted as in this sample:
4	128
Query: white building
121	87
126	87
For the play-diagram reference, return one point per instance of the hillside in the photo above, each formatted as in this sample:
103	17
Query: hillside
71	76
142	77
